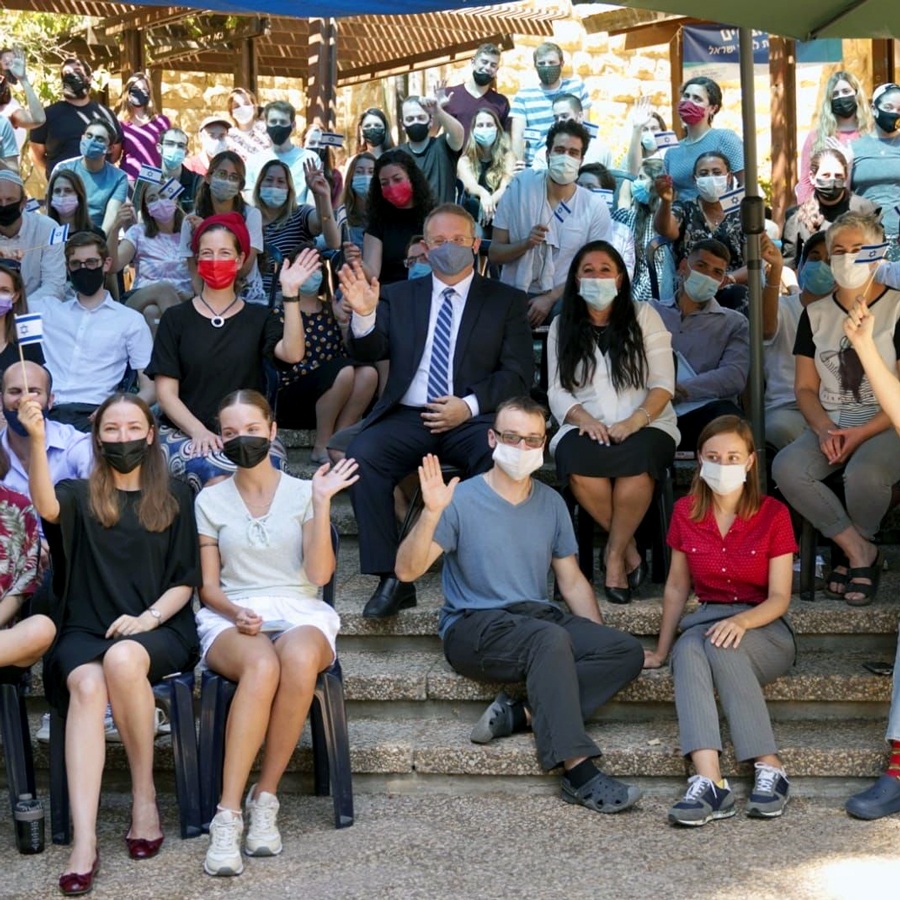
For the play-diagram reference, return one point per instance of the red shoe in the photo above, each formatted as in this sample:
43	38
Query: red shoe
71	884
141	848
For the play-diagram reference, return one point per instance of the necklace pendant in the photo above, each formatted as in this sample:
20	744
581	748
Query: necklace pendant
217	321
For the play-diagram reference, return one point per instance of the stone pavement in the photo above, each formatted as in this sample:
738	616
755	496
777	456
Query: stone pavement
499	846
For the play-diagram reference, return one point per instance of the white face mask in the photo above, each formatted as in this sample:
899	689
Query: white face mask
711	187
563	168
243	114
516	462
723	479
598	293
848	273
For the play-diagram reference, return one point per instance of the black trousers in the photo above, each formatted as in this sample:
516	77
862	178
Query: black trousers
77	414
691	424
571	667
387	452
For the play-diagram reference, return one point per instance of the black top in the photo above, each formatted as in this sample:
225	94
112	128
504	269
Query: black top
209	362
10	355
395	236
438	164
190	181
102	580
61	133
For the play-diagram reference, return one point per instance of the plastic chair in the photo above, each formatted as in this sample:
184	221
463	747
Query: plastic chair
650	251
272	261
17	752
328	724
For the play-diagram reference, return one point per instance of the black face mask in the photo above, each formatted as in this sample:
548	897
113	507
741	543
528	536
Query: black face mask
88	281
374	135
136	97
10	214
844	107
278	134
831	192
417	132
124	456
482	79
246	451
887	121
74	85
549	74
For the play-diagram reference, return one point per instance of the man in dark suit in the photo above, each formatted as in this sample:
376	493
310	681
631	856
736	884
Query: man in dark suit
458	344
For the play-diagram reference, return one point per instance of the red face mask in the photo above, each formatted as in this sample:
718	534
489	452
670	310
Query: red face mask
398	194
691	113
217	273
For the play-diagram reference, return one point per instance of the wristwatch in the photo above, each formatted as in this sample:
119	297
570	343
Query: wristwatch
156	614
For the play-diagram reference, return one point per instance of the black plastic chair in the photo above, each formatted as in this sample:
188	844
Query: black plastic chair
650	251
17	751
270	267
328	724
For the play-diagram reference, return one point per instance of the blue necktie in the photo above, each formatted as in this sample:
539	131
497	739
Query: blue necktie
438	385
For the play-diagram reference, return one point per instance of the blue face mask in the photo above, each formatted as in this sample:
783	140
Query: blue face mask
815	276
419	269
12	419
360	184
91	149
640	192
312	284
273	197
172	157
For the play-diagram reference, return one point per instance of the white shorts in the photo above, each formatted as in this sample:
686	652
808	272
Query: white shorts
295	610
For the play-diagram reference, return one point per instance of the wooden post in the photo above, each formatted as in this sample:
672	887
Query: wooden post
245	67
131	53
676	64
783	77
882	61
321	93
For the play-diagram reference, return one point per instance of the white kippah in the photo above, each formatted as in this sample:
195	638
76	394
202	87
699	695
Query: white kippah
9	175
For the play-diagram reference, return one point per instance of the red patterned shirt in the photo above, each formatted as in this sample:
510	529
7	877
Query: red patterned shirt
20	545
733	569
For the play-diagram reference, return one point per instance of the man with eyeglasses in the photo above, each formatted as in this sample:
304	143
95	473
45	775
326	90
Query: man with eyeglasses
172	148
93	341
458	345
477	91
105	185
501	534
25	243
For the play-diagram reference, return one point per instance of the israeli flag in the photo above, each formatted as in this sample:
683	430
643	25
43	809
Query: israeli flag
871	253
666	139
606	194
592	129
533	135
29	329
59	235
562	211
33	205
171	189
330	139
731	201
150	174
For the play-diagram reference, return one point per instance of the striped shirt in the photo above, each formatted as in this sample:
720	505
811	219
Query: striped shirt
139	146
535	106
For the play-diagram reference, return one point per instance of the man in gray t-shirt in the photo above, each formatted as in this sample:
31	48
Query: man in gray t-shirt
501	533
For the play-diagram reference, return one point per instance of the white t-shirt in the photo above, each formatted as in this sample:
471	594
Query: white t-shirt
778	355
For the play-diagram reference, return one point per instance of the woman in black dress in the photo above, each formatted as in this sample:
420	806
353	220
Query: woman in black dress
124	618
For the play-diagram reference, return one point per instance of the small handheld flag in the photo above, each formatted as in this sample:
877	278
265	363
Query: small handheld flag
150	174
606	194
731	200
59	235
29	328
330	139
171	189
666	139
871	253
592	129
33	205
533	135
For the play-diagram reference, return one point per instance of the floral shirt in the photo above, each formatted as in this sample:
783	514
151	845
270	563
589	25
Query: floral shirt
323	342
694	228
20	545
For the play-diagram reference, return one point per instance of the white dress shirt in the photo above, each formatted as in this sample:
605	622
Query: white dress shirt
417	393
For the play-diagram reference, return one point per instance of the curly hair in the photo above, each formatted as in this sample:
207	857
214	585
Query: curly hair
379	209
809	212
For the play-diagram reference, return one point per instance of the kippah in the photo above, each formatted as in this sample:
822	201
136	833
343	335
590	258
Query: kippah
9	175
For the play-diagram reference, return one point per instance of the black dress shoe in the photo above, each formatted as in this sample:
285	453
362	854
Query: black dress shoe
638	575
389	598
617	594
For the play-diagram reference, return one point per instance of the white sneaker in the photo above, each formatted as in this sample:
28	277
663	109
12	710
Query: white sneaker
43	733
223	856
109	727
263	837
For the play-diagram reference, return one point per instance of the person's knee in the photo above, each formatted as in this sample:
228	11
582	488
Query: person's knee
261	673
87	686
41	632
126	662
552	641
688	648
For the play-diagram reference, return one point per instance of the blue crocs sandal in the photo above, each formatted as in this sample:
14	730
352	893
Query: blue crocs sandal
602	794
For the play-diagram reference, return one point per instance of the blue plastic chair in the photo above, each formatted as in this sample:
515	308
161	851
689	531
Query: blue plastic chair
17	751
328	723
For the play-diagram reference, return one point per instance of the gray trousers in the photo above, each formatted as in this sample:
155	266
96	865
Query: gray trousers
738	675
571	666
869	477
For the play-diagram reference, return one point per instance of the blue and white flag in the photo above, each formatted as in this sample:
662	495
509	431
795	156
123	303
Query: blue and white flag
533	135
592	129
666	139
171	189
33	205
330	139
150	174
29	329
731	200
871	253
58	235
606	194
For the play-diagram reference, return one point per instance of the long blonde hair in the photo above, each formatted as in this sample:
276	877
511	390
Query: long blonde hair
125	108
827	123
502	160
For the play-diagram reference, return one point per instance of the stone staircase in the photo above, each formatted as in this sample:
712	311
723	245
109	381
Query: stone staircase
410	714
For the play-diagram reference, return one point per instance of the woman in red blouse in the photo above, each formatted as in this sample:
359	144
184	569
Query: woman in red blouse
735	548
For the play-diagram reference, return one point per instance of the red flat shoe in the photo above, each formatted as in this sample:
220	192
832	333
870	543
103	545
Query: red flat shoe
141	848
72	884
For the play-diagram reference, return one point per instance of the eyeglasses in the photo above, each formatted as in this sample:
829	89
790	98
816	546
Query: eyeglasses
410	261
459	241
511	439
233	177
93	263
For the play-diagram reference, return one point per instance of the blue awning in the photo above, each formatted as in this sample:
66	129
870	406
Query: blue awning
307	9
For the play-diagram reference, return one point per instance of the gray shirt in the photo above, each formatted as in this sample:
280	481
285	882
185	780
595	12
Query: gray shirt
716	343
498	553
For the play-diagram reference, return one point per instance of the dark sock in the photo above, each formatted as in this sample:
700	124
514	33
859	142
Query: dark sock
519	719
581	774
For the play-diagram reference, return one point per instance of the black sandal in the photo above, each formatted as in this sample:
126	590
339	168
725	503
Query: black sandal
840	578
868	591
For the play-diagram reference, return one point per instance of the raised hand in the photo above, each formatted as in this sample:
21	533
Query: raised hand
31	417
125	216
665	188
293	274
316	180
436	495
769	252
17	66
441	97
330	480
640	113
360	293
859	325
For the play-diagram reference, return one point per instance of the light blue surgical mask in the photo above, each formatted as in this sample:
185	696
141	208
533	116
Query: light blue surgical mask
486	136
419	269
172	157
701	288
360	184
273	197
91	149
312	284
640	192
816	277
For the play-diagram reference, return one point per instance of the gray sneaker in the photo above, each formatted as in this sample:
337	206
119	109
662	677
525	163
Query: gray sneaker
496	721
770	794
703	802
